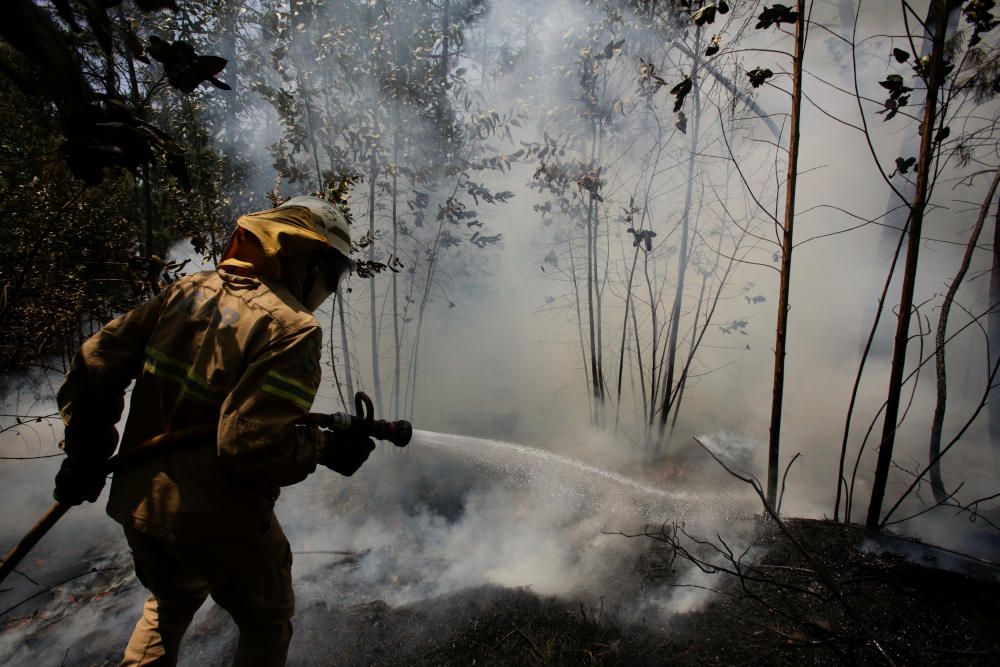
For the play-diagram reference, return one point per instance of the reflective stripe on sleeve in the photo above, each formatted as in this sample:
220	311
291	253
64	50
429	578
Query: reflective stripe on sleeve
286	387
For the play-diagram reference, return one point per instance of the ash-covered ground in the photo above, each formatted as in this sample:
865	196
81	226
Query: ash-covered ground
467	551
421	544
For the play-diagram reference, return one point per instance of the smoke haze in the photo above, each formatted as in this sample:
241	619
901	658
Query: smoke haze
502	358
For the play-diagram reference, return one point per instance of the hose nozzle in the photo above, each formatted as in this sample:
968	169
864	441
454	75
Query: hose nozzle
364	424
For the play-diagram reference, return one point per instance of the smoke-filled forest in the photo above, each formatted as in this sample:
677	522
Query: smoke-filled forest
693	306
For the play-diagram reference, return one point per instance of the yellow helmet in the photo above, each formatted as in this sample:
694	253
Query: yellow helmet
300	225
330	222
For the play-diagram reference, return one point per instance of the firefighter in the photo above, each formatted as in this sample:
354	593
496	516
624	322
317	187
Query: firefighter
236	350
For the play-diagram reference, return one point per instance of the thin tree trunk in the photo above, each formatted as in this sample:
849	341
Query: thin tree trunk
993	324
781	329
934	452
395	253
147	203
579	328
935	79
696	340
696	335
307	98
445	37
621	352
628	292
445	45
484	55
412	384
598	283
431	266
333	356
682	258
376	373
682	380
595	378
841	480
655	329
298	9
344	345
640	371
595	374
599	324
897	213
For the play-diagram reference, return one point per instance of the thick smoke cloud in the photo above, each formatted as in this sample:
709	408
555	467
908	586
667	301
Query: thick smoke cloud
450	513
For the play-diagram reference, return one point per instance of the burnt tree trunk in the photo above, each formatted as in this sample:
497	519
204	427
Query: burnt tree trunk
935	79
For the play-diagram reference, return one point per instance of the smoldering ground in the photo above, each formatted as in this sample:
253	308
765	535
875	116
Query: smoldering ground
438	528
505	362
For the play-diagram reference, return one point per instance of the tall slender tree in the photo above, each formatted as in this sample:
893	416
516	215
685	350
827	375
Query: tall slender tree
934	76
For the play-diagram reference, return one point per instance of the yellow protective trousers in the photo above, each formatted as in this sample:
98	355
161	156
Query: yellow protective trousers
249	576
238	354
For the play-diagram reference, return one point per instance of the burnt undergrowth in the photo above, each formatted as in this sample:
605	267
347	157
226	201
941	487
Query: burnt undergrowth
773	610
865	607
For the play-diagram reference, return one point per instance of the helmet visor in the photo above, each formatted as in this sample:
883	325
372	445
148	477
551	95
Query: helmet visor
335	267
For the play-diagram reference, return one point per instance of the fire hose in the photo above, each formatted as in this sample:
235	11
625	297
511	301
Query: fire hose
363	424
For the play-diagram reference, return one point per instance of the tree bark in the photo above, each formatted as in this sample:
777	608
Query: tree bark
993	324
682	257
781	329
934	451
376	373
596	373
595	379
395	254
935	79
344	345
897	211
621	352
579	329
333	356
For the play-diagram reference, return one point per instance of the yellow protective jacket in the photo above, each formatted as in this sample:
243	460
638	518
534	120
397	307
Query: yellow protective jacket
234	352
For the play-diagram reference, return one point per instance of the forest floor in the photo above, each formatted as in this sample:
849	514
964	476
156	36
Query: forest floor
804	592
834	601
820	594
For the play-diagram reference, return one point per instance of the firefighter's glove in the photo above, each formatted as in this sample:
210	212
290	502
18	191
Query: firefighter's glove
79	479
345	453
